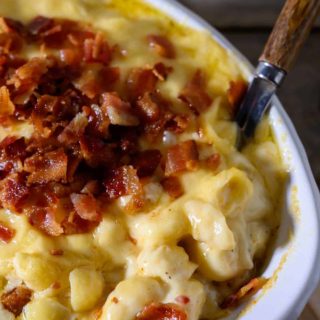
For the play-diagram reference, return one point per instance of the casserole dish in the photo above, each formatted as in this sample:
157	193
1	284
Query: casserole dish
295	262
135	203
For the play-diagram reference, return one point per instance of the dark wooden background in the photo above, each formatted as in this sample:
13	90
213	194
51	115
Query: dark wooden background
247	24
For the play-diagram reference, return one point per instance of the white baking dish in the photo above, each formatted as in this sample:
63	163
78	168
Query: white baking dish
295	264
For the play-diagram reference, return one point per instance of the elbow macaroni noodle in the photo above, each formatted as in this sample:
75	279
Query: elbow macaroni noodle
215	232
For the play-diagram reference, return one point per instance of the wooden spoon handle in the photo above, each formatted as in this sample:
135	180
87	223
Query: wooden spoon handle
290	32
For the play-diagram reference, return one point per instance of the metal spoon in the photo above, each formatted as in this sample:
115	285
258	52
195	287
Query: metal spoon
285	41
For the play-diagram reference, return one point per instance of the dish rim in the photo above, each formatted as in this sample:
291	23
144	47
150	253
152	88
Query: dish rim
294	306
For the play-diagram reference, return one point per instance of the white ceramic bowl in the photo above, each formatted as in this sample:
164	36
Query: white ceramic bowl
295	263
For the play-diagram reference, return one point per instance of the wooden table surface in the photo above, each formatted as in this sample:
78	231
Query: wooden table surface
248	28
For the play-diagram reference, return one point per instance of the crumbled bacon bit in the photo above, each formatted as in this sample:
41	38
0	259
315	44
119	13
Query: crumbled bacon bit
70	56
13	147
43	168
182	299
195	95
6	167
10	25
74	224
74	130
133	204
122	181
246	291
161	71
235	94
96	152
29	74
178	124
146	162
181	157
213	161
119	111
148	107
140	80
10	42
6	233
161	311
7	107
96	50
173	187
39	25
97	80
98	121
162	46
73	164
16	299
155	129
13	192
91	187
86	206
44	219
153	110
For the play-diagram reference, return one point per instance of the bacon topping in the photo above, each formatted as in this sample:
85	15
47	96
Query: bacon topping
13	147
90	131
13	192
44	219
39	25
29	74
16	299
235	94
161	311
181	157
10	25
96	50
74	224
213	161
43	168
6	233
140	80
146	162
173	187
247	290
98	121
122	181
74	130
86	206
148	107
178	124
97	80
96	152
119	111
6	105
161	71
162	46
195	95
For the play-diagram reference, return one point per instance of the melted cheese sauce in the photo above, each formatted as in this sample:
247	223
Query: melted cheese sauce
216	232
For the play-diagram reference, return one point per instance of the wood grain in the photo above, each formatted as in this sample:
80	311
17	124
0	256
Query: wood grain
233	14
290	32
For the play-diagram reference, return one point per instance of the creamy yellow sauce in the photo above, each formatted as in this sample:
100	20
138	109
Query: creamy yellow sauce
222	223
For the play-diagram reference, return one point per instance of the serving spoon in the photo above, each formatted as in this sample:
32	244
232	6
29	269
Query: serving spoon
284	43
